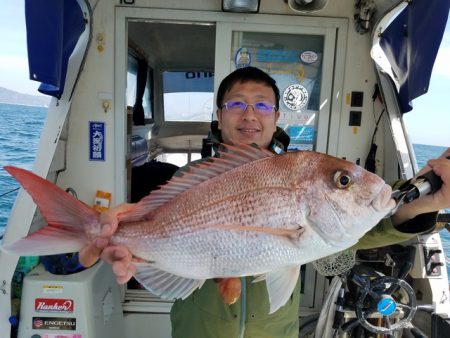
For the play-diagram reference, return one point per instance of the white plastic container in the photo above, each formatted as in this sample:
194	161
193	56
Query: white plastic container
84	304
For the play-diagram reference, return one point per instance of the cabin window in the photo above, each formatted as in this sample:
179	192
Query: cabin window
295	62
131	80
147	100
179	159
188	95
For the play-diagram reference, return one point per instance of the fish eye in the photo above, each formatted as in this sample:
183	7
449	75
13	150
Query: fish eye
342	179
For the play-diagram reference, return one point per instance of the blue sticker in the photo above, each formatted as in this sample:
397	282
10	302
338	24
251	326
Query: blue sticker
276	55
96	141
242	58
302	134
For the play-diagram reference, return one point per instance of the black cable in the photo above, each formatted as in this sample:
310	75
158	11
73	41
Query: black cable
371	156
376	125
8	192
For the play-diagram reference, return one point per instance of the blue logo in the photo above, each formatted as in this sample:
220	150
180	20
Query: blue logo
386	306
96	141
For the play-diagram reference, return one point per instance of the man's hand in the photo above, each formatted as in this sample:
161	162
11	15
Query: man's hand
434	202
118	256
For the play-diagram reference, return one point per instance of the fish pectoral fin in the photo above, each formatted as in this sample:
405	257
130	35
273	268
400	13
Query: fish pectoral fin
259	278
291	233
164	284
280	285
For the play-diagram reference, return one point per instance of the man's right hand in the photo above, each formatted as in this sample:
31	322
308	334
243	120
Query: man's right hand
118	256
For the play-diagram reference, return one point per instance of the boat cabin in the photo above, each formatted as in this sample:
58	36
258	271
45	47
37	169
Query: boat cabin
134	99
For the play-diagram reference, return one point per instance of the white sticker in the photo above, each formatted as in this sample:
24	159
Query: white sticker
52	289
295	97
308	56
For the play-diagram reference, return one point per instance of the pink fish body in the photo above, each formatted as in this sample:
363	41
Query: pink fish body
247	213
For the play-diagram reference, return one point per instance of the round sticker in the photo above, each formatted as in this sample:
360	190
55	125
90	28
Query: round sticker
242	58
308	56
295	97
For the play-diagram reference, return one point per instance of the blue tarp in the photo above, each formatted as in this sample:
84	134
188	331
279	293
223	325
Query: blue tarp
53	30
411	43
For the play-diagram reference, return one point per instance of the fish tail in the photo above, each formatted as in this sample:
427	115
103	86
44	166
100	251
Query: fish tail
67	218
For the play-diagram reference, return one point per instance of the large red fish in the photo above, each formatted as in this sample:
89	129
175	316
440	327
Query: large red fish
247	213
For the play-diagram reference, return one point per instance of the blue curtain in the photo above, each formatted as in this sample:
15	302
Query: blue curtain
53	30
411	43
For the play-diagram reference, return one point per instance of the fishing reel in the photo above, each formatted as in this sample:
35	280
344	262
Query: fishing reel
389	301
373	296
381	304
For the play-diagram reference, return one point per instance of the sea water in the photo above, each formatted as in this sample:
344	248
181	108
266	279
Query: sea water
20	127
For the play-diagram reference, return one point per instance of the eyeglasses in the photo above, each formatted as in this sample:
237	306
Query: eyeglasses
239	107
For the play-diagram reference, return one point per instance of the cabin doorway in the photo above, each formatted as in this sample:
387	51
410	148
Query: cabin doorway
187	58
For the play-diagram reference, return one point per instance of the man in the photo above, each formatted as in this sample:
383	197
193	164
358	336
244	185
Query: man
247	110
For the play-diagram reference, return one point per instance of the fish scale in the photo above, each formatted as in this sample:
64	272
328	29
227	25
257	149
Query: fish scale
224	211
235	182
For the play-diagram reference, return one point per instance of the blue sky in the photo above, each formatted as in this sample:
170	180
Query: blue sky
428	123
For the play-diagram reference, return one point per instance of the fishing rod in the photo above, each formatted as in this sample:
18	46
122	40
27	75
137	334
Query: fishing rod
10	191
415	188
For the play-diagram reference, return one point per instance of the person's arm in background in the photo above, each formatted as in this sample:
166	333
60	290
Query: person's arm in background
430	203
416	217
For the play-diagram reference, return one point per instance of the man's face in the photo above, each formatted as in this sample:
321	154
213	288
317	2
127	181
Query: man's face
249	126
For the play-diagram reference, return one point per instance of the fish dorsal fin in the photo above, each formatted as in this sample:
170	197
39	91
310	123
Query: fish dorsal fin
229	157
164	284
280	285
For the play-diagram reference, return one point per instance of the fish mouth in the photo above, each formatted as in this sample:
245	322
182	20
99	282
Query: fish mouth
383	201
